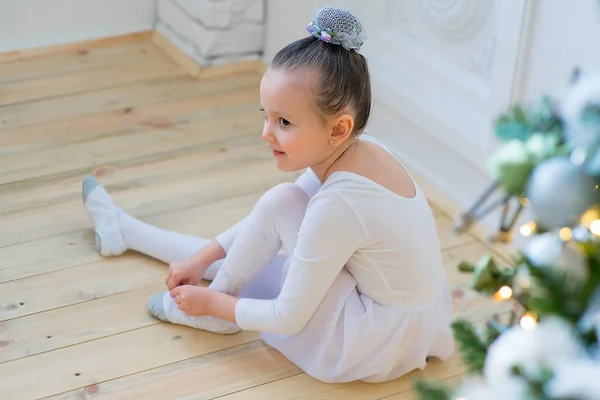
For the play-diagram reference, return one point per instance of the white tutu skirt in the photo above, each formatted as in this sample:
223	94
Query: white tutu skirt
350	337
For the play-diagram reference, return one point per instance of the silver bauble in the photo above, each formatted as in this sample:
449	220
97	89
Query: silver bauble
559	192
549	250
592	165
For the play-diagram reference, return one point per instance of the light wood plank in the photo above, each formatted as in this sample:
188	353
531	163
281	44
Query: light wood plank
141	202
60	252
435	370
446	235
470	252
61	64
205	377
304	387
141	65
293	387
466	303
126	174
136	145
125	97
453	382
475	307
82	322
223	71
163	114
46	255
78	284
78	47
86	364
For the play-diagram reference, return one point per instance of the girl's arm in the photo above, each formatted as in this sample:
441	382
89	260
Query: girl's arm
330	233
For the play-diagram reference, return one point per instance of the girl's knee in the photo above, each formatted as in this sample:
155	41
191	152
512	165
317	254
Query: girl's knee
285	197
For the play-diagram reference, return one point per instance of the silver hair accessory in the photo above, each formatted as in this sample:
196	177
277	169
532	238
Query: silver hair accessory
337	26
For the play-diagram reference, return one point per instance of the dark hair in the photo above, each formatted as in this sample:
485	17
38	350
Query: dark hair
344	78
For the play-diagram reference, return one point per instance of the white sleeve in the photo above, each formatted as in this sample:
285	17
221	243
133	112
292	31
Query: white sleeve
330	233
307	181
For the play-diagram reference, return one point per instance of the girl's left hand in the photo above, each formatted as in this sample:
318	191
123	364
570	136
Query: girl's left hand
192	300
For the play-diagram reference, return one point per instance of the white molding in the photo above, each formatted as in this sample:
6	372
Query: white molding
512	51
441	165
438	117
448	102
442	104
456	20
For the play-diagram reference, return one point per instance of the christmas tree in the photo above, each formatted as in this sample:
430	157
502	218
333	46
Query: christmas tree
547	166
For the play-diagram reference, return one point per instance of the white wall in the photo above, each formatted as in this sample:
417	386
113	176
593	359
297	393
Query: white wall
287	20
36	23
564	34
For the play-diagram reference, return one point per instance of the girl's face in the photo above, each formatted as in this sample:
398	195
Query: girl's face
296	131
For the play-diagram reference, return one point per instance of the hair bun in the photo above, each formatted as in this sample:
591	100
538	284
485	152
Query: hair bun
337	26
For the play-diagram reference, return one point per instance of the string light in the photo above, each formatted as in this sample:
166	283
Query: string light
504	293
589	216
524	201
528	321
595	227
565	234
527	229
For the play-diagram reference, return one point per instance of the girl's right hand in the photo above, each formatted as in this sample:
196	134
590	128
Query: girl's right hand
190	271
184	272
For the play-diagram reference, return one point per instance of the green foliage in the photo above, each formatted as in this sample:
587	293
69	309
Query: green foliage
488	277
473	347
529	135
551	296
521	123
432	391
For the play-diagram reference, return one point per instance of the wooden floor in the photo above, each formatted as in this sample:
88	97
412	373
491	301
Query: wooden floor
177	151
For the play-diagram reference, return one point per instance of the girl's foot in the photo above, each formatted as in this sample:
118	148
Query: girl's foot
163	307
104	215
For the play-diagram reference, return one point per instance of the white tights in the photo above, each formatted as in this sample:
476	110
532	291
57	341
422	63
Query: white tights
274	222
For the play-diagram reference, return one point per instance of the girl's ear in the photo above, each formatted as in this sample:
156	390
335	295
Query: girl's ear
342	128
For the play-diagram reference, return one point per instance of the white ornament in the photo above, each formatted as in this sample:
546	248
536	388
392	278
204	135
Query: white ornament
530	351
579	379
549	250
590	321
456	19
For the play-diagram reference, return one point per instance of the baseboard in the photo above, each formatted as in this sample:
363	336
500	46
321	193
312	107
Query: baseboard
76	47
255	66
201	72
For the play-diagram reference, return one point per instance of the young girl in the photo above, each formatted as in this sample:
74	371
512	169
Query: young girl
340	271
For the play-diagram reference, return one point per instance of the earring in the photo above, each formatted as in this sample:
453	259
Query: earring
333	142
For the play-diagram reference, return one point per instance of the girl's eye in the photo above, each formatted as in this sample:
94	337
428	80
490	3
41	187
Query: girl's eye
284	122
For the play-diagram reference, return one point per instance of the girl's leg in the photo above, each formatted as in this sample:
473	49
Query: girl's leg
117	231
274	222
